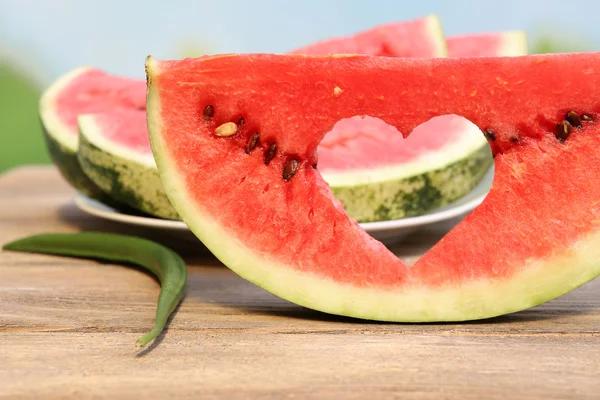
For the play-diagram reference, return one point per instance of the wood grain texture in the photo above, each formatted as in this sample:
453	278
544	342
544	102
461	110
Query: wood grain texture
68	328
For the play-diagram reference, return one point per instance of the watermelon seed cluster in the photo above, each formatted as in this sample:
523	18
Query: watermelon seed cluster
572	119
231	128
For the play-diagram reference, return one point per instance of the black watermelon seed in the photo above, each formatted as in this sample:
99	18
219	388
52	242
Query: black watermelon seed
252	142
290	168
209	111
514	139
270	153
563	130
573	119
586	118
241	122
490	135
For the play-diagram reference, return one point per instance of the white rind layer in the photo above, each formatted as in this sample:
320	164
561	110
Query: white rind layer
514	43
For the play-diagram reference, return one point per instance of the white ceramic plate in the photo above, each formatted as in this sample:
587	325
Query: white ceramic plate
385	231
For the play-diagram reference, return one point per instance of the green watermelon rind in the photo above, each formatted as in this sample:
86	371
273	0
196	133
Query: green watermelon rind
417	194
61	144
539	281
126	176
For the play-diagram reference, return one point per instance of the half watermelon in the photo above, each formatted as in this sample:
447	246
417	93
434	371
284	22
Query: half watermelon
269	216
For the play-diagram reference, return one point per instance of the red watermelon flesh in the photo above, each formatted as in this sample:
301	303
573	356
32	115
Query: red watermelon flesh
533	239
127	127
94	91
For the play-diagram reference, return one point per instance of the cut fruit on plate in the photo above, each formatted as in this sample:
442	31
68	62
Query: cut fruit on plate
269	216
388	232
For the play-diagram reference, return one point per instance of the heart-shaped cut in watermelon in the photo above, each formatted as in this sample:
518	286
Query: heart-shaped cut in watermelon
269	216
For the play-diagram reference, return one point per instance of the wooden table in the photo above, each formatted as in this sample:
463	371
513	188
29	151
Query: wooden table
68	328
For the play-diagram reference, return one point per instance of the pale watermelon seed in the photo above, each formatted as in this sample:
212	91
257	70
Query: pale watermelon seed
290	168
587	118
227	129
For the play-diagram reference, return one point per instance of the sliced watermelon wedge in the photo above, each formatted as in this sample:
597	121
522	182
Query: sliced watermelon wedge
83	90
421	37
270	217
114	151
511	43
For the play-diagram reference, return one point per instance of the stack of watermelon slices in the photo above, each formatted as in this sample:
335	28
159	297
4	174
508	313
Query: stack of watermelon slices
371	168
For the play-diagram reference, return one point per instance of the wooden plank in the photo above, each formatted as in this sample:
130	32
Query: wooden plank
68	328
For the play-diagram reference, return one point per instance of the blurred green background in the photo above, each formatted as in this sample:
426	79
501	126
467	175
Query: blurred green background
21	139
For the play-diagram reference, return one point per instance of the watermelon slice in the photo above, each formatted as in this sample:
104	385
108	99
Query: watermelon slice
114	151
83	90
422	37
269	216
512	43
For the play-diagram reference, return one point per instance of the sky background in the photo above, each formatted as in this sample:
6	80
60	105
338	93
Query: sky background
49	37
